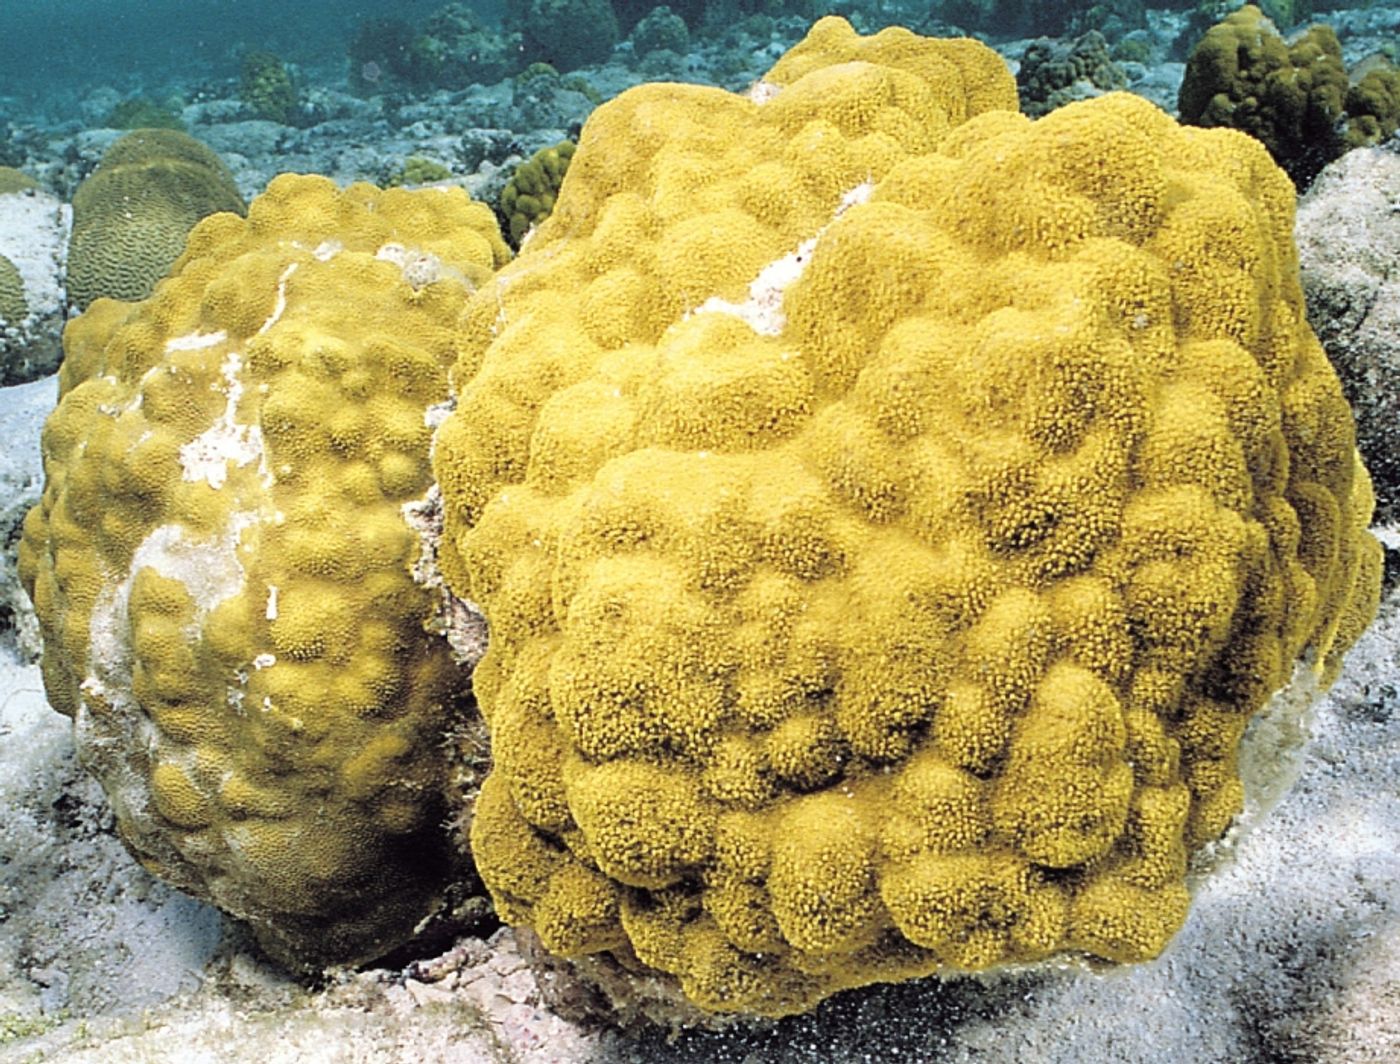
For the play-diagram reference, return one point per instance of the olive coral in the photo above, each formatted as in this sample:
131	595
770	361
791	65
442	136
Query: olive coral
266	87
14	308
529	195
1294	96
221	568
889	511
132	214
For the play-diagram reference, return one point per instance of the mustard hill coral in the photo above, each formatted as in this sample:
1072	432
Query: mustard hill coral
132	214
889	512
221	568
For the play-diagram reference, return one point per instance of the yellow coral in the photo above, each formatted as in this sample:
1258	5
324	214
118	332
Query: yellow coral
890	512
222	571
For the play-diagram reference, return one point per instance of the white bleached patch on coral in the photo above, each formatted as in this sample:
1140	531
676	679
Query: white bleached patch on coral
763	310
263	661
419	268
327	250
208	569
280	307
210	572
271	612
760	92
207	456
195	341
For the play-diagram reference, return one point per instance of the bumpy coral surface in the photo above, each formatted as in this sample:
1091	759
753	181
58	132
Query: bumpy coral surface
14	308
266	87
222	571
565	33
889	512
529	195
1294	96
1056	72
132	214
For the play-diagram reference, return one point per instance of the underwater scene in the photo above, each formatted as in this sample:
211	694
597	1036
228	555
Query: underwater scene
596	532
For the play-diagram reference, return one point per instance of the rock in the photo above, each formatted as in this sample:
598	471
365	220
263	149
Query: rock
23	409
1348	234
34	228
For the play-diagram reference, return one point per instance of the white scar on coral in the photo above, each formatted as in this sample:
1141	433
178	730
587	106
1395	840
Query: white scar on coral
206	457
763	310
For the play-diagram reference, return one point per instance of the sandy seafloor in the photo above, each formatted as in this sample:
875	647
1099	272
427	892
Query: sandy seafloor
1291	952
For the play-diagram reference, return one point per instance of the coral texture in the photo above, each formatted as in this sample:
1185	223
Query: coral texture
889	512
417	170
565	33
1056	72
14	308
132	214
528	196
1295	97
221	568
661	29
33	241
266	87
140	113
1348	236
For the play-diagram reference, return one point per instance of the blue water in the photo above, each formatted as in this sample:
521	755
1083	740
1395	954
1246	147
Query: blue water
50	47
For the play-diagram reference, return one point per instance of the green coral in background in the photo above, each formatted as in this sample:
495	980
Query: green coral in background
266	87
457	48
380	53
14	308
1294	97
631	12
528	197
1055	72
565	33
1027	18
1372	102
131	215
142	113
12	180
417	170
661	30
452	49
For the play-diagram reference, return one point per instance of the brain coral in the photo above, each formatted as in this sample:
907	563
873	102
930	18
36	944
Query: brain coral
889	511
221	568
132	214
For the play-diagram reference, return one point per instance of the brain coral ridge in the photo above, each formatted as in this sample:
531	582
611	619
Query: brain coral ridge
889	511
132	214
221	568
